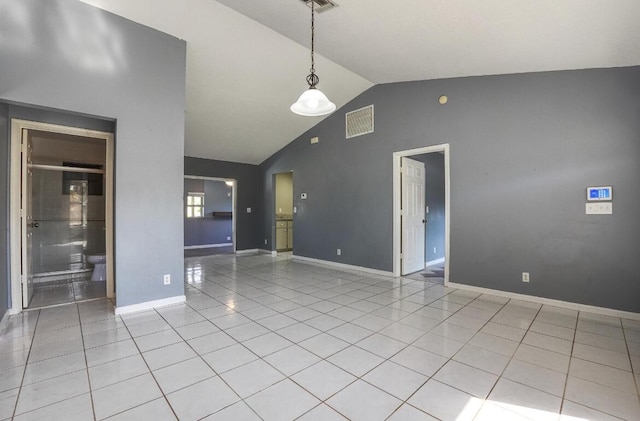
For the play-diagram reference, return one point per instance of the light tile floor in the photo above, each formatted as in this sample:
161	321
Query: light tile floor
264	338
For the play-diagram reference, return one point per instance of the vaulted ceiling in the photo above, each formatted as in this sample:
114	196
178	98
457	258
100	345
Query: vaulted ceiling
247	59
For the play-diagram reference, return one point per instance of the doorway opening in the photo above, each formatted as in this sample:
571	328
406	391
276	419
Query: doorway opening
209	216
421	222
61	215
283	212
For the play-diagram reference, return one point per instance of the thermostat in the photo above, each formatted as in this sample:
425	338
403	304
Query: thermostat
599	193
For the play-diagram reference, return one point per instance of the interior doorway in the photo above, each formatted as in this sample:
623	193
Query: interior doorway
209	216
283	211
61	215
421	213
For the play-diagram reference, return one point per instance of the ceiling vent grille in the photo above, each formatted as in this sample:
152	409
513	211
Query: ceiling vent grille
359	122
321	5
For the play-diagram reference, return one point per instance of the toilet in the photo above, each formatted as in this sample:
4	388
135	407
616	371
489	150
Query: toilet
99	262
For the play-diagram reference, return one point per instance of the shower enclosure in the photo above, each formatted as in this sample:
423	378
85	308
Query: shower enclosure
67	206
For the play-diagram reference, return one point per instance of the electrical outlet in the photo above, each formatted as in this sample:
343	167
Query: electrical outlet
228	238
434	250
265	241
339	252
525	276
167	279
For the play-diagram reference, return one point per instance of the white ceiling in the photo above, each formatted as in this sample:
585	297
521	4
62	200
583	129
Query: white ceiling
247	59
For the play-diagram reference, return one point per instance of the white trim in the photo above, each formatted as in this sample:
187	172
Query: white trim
271	252
234	202
549	301
434	262
341	265
134	308
247	251
397	204
207	246
17	127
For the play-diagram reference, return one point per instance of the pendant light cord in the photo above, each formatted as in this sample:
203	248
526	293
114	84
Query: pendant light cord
313	27
313	79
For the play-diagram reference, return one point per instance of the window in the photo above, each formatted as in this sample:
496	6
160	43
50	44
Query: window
195	205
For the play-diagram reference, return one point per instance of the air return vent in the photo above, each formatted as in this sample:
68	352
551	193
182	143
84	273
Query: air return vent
359	122
321	5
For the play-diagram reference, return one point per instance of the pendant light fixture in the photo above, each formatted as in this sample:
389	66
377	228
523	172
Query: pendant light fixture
313	102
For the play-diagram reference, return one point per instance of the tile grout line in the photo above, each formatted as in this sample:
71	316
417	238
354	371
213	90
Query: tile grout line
35	329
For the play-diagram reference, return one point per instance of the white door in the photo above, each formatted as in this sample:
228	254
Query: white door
26	220
413	215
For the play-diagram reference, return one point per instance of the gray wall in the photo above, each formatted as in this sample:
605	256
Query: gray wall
209	229
523	149
435	200
246	176
5	292
67	55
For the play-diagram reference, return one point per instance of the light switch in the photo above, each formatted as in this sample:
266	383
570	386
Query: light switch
599	208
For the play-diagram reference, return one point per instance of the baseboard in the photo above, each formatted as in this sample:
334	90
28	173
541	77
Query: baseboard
247	251
151	304
434	262
207	246
341	265
550	301
271	252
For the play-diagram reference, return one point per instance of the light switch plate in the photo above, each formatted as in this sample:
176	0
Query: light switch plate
599	208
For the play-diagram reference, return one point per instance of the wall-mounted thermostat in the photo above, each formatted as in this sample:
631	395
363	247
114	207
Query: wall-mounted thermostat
599	193
303	195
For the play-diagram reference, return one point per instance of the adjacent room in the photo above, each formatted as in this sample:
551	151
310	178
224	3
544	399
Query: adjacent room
319	210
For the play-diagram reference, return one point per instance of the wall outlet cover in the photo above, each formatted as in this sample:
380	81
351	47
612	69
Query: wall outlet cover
525	276
339	252
167	279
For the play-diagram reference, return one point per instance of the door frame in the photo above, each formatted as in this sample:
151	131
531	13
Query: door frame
397	204
15	238
234	192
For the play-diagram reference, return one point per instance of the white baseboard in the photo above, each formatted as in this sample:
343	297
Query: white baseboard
549	301
247	251
271	252
151	304
341	265
207	246
434	262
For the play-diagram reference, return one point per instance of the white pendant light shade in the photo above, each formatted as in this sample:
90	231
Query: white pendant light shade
313	103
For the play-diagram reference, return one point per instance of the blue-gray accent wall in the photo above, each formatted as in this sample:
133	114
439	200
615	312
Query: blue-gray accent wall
523	150
209	229
246	176
67	55
5	291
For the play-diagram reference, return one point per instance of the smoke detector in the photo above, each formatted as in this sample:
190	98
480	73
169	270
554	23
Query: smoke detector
321	5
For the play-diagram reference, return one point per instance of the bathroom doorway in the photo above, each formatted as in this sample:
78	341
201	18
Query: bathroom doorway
283	223
431	214
61	215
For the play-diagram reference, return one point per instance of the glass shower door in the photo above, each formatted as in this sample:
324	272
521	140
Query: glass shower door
60	223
